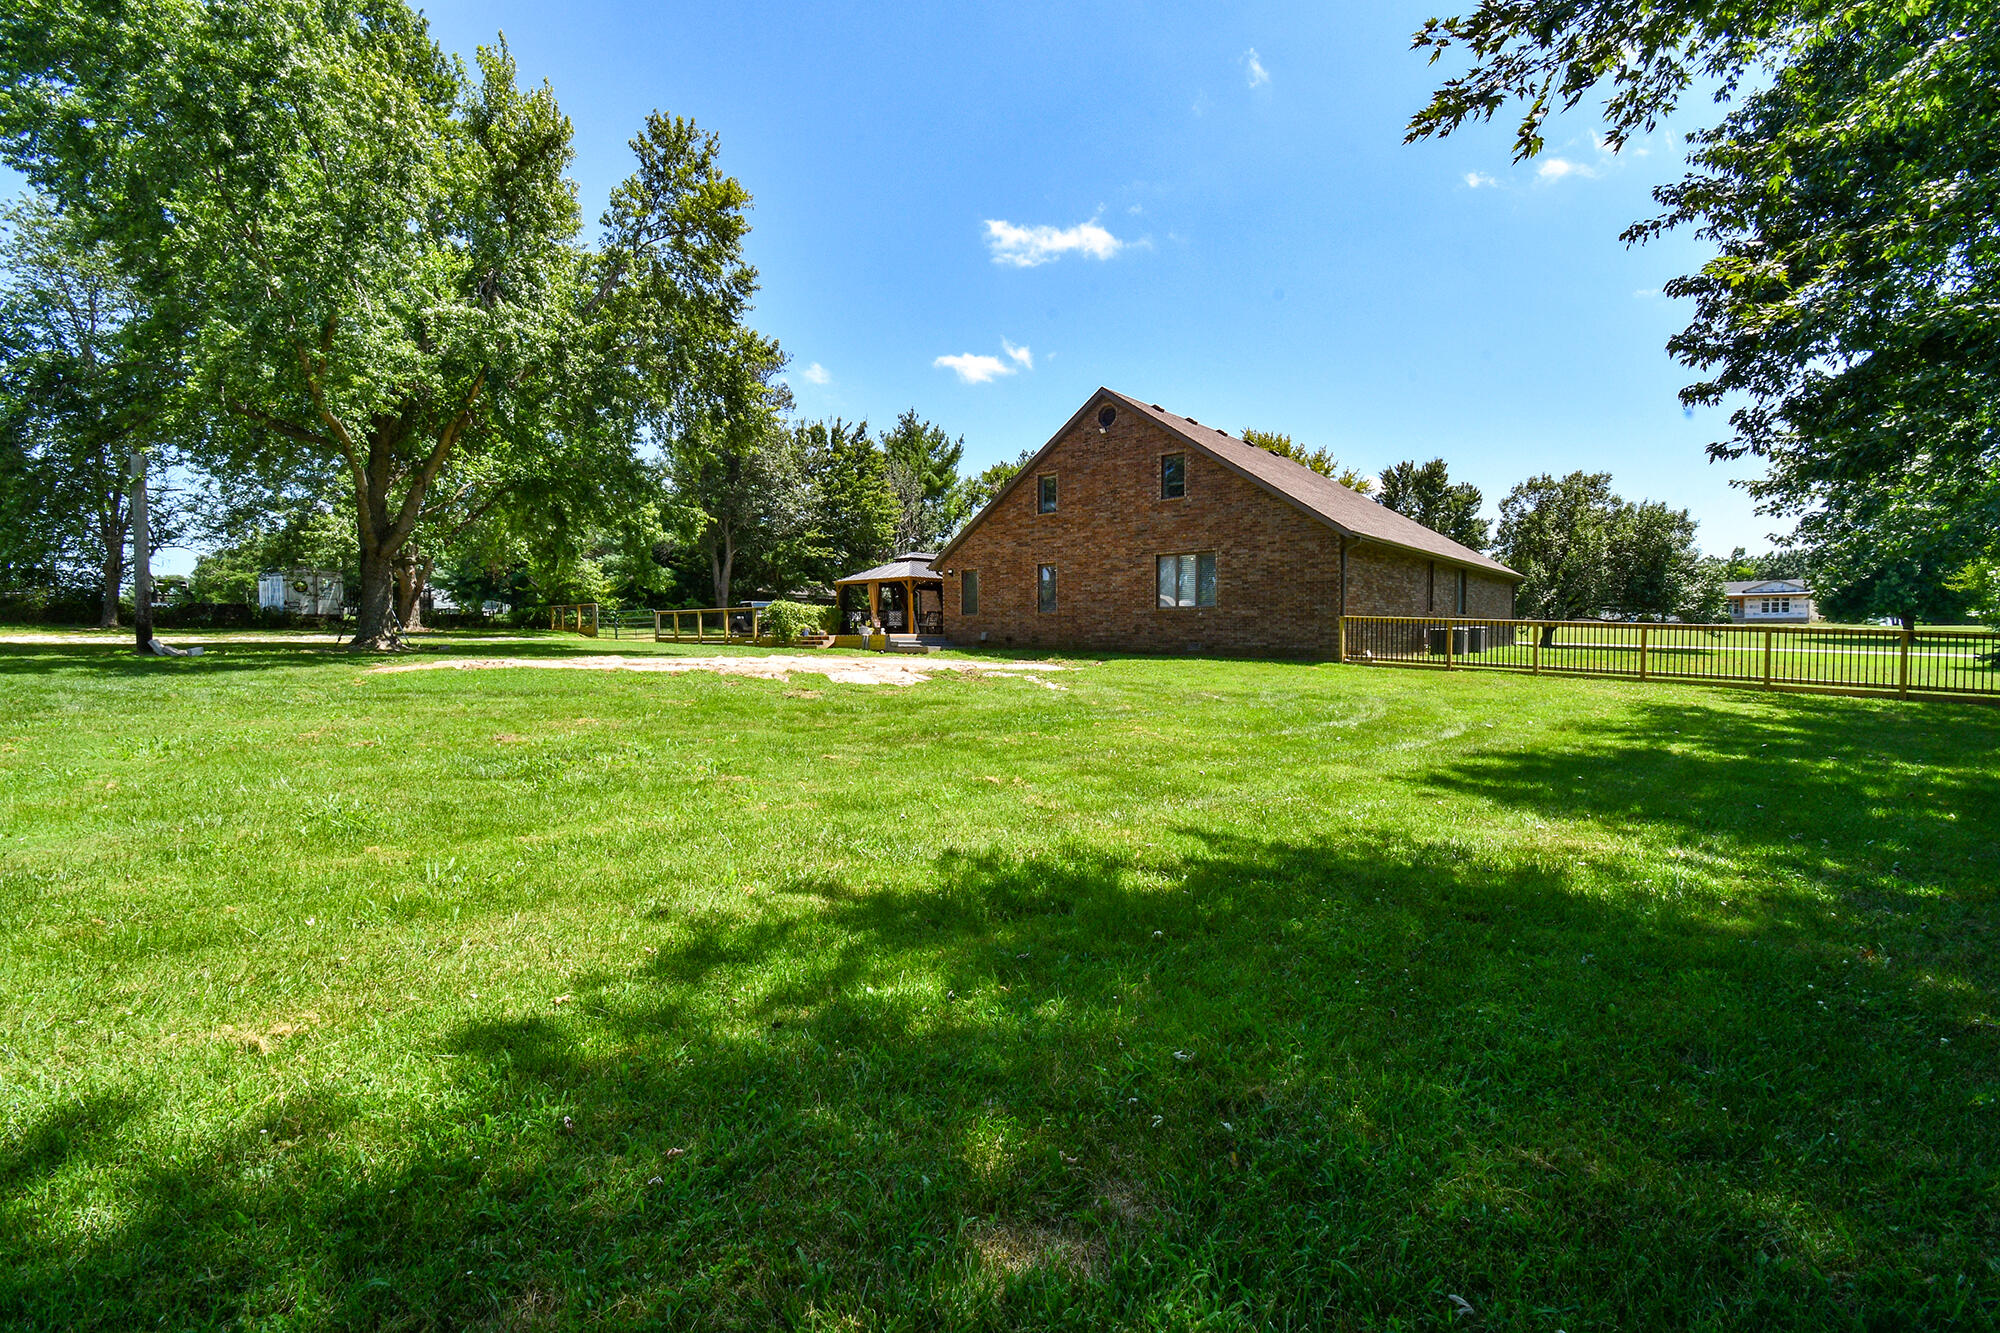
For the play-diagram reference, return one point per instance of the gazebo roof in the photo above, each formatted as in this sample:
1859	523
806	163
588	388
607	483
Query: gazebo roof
908	565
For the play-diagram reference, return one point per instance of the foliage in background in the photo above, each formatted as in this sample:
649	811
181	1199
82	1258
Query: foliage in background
86	376
1899	550
1425	493
923	474
856	511
1319	460
1583	551
1656	570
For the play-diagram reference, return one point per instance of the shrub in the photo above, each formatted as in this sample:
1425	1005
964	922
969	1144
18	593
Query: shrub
788	622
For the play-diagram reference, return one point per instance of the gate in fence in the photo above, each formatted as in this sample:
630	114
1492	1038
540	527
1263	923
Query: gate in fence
1824	659
577	618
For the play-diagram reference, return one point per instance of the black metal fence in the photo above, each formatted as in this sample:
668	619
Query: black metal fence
1921	663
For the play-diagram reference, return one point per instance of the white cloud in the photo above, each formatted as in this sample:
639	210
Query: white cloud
1253	69
979	368
1026	247
1646	293
1475	179
817	374
1558	167
974	368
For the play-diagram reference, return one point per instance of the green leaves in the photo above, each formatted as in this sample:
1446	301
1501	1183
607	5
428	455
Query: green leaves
1425	492
1583	551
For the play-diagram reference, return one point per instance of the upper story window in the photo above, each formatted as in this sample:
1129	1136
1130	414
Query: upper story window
1187	580
1173	476
1045	588
1461	592
968	593
1045	493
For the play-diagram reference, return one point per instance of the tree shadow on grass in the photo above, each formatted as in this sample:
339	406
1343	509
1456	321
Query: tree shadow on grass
1252	1083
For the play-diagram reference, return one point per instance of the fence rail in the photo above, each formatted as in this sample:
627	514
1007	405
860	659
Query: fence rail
1827	659
576	617
715	624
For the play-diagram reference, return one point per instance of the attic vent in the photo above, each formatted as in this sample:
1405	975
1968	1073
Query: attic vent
1106	415
1158	408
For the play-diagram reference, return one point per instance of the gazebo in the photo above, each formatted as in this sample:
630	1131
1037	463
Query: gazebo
905	596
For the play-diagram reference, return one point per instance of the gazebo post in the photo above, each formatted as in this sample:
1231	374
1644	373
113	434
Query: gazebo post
909	606
875	601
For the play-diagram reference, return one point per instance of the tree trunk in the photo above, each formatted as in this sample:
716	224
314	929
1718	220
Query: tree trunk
721	562
413	575
376	628
114	578
1548	636
142	557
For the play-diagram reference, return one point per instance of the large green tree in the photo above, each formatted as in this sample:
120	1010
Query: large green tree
376	247
1900	550
1853	200
1655	568
1556	533
856	511
923	472
85	378
1426	493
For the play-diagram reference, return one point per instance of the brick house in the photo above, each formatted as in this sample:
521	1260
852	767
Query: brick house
1137	529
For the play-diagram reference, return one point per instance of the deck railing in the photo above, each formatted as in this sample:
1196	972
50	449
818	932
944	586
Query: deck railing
715	624
1828	659
576	617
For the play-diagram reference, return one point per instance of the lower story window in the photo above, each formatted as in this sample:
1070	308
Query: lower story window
968	593
1187	580
1045	588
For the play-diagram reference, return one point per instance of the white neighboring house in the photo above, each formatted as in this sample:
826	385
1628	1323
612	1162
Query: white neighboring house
301	592
1769	602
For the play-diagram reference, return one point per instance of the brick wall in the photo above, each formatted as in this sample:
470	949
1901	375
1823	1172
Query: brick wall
1277	570
1389	581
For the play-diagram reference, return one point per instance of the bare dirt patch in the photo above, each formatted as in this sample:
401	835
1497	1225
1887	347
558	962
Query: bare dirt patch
889	669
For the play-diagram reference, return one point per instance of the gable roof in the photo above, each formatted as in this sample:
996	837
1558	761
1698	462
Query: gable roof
908	565
1347	511
1783	587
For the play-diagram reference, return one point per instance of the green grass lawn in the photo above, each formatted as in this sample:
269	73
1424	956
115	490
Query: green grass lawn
1196	994
1941	660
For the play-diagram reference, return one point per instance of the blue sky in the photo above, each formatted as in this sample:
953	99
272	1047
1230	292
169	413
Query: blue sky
1207	206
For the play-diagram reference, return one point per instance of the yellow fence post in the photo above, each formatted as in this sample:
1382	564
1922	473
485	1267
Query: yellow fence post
1340	640
1535	640
1903	664
1767	658
1448	635
1644	664
755	624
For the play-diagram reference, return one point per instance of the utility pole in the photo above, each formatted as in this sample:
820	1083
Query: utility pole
142	561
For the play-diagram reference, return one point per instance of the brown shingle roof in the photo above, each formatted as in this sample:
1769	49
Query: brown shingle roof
1345	510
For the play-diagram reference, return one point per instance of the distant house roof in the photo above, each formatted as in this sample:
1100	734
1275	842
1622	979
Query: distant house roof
1347	511
1761	587
908	565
